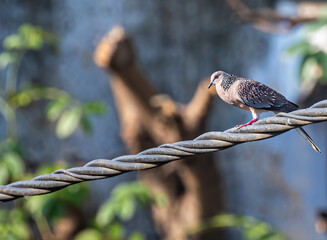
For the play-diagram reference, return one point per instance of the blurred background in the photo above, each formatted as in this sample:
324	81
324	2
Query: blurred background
82	80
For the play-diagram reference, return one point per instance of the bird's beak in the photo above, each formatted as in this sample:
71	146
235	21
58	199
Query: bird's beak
210	85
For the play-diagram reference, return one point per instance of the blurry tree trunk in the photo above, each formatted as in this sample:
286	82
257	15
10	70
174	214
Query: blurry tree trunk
149	119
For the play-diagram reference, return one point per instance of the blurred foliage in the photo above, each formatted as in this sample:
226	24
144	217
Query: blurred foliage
121	207
54	206
11	163
13	225
312	50
250	228
123	201
67	112
44	210
28	37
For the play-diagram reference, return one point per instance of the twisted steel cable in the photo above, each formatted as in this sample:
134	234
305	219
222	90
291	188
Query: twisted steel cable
154	157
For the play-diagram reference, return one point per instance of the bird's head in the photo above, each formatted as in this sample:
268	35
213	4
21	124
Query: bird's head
216	77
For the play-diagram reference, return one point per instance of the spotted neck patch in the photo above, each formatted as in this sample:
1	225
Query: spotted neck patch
228	81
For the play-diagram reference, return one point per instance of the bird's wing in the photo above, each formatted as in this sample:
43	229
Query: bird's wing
257	95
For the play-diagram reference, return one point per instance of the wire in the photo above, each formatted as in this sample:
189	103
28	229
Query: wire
154	157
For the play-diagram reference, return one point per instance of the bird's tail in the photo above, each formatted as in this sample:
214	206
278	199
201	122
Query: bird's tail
306	136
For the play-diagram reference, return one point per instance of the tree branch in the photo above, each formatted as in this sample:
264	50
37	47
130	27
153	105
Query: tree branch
268	20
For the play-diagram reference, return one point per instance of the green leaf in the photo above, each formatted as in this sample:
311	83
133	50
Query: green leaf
136	236
68	122
13	42
55	108
32	35
127	209
4	175
7	58
34	205
316	25
257	231
308	68
29	37
86	125
94	107
106	214
89	234
22	99
322	61
123	202
15	164
116	231
301	48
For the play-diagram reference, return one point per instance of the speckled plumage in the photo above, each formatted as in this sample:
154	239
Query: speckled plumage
253	96
228	81
257	95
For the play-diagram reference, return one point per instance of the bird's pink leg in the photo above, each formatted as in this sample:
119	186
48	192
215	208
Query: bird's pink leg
247	124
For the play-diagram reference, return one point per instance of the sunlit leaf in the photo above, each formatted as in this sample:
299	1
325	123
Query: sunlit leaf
116	231
32	35
7	58
127	209
309	68
106	214
23	99
89	234
300	48
4	174
314	26
257	231
224	220
55	108
136	236
29	37
68	122
35	204
13	41
14	163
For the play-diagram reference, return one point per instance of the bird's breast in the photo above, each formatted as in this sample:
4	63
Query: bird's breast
231	97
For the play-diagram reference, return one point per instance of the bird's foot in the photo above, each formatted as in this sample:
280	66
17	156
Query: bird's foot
247	124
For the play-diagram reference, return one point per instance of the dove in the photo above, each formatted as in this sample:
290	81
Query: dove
255	97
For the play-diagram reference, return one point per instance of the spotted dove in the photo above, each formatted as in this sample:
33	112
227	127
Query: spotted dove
253	96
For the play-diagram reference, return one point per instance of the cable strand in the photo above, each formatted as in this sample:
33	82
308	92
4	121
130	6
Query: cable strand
154	157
